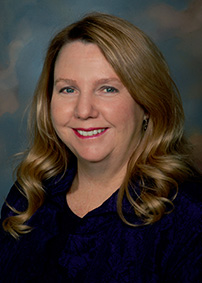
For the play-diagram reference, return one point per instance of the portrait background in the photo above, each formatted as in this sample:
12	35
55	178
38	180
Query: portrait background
26	27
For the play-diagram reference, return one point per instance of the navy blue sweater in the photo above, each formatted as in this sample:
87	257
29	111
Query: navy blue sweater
99	247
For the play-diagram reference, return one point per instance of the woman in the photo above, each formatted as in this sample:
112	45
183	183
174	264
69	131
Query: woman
105	192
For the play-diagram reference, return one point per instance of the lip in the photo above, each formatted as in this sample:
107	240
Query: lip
89	130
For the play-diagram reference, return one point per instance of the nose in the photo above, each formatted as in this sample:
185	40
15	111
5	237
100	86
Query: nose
86	107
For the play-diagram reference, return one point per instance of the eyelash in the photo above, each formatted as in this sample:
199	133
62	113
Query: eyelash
111	88
67	88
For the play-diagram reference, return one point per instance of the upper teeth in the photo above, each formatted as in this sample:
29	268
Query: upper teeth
90	133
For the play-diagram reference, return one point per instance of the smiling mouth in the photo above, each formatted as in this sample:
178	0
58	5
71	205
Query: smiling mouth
86	133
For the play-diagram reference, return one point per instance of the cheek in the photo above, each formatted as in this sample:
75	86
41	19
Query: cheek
58	119
59	112
129	115
55	114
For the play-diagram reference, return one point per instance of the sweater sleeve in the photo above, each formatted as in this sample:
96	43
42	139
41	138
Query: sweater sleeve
185	264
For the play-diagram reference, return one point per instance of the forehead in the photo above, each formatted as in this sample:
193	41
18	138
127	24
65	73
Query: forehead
78	49
82	58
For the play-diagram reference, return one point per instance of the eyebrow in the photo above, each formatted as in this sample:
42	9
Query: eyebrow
107	80
100	81
68	81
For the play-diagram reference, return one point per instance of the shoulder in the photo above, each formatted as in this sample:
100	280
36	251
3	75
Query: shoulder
189	199
187	206
184	224
192	189
15	200
51	187
183	229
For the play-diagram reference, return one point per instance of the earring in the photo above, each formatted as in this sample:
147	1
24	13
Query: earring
145	124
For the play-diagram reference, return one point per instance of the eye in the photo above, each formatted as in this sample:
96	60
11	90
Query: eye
66	90
109	89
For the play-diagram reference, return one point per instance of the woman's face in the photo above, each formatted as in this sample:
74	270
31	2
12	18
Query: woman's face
92	111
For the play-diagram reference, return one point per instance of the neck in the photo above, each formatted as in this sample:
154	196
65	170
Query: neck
93	184
100	175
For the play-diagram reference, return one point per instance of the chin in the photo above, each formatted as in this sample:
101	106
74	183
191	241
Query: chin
93	158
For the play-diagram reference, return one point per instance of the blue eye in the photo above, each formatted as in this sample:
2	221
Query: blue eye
67	90
110	89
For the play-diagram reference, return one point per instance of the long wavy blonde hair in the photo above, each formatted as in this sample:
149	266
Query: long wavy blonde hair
161	160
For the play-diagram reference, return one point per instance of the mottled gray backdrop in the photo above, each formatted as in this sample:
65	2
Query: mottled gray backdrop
26	27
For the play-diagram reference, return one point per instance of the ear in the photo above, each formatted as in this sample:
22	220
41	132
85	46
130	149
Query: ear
146	116
145	122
